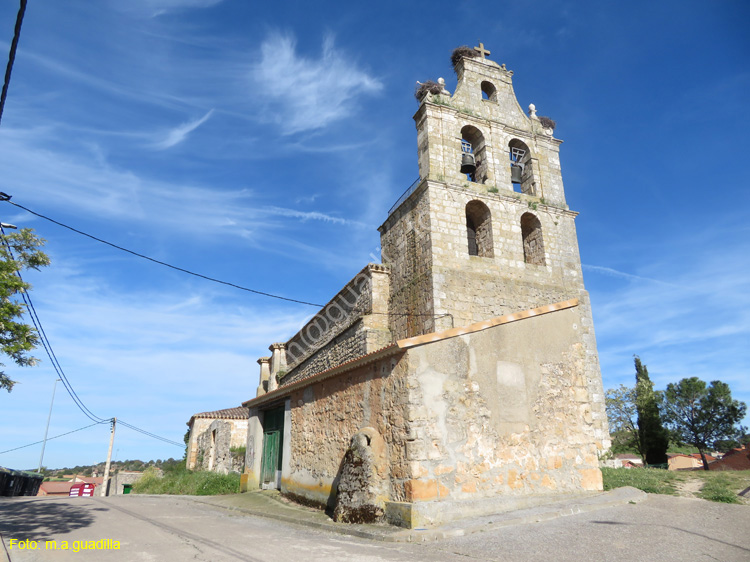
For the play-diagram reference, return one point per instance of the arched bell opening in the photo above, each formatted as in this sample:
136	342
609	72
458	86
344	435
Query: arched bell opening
479	229
521	169
489	92
533	241
473	158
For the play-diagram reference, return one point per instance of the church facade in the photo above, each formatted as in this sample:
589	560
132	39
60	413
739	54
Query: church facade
465	365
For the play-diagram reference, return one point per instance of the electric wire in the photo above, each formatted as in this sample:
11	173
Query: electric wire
58	368
12	55
6	197
47	346
49	438
149	434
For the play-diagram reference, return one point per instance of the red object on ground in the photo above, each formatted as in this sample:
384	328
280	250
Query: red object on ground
83	489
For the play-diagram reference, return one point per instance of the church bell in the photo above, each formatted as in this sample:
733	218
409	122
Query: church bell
468	165
515	173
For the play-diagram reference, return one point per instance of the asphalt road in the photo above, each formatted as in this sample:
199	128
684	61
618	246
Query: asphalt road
166	528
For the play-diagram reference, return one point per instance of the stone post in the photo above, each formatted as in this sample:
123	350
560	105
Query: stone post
265	375
278	363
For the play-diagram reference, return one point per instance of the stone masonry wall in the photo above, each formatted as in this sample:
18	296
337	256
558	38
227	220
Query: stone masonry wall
229	434
352	324
325	415
506	410
405	248
475	288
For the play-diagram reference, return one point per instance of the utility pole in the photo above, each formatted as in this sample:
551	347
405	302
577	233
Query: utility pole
44	443
105	480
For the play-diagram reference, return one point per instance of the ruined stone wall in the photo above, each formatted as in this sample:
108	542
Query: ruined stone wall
212	451
352	324
406	249
325	415
507	410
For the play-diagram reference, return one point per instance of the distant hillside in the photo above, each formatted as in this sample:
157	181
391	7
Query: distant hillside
88	470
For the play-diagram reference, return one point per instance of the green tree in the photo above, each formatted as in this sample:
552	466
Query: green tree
634	420
622	416
702	415
19	251
652	435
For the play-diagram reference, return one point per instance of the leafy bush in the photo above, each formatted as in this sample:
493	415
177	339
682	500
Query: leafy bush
185	482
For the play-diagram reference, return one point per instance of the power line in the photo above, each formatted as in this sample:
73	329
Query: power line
58	368
46	344
149	434
12	55
49	438
6	197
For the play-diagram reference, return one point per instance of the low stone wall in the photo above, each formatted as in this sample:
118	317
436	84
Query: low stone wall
325	416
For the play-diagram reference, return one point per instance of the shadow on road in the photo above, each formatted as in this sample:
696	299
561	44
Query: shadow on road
39	519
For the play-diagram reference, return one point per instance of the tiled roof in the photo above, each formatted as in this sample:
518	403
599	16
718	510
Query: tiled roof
736	459
238	413
50	488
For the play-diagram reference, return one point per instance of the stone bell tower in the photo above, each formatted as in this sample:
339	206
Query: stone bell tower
485	231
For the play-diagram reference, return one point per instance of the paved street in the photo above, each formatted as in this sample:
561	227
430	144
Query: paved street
166	528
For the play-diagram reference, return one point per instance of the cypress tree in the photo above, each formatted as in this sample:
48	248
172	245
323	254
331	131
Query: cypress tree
653	437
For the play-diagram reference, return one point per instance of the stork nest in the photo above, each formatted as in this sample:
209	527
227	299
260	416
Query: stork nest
426	87
461	52
547	123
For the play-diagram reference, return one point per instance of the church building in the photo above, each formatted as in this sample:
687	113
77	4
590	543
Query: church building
461	373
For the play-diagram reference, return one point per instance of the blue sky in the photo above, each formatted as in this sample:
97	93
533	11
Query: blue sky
263	143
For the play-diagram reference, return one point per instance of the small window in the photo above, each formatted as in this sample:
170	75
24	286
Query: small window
489	92
533	243
479	230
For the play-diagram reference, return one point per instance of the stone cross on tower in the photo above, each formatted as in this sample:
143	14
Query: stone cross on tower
482	51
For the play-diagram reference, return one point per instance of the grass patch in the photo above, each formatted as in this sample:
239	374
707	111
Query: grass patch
185	482
716	486
719	489
650	480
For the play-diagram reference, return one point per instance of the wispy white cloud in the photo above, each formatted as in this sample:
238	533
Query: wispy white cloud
155	8
308	215
302	94
621	274
179	134
698	324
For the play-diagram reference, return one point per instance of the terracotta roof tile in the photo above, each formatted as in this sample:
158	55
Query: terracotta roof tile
238	413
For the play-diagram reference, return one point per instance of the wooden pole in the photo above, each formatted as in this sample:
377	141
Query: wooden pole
105	481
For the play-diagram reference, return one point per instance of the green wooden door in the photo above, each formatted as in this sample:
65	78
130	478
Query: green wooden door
273	428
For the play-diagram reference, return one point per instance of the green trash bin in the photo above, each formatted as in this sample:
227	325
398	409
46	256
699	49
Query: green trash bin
126	488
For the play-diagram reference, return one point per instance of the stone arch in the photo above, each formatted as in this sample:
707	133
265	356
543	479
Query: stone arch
520	156
475	139
489	92
533	241
479	229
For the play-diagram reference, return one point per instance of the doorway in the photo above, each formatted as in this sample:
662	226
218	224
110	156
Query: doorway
273	431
